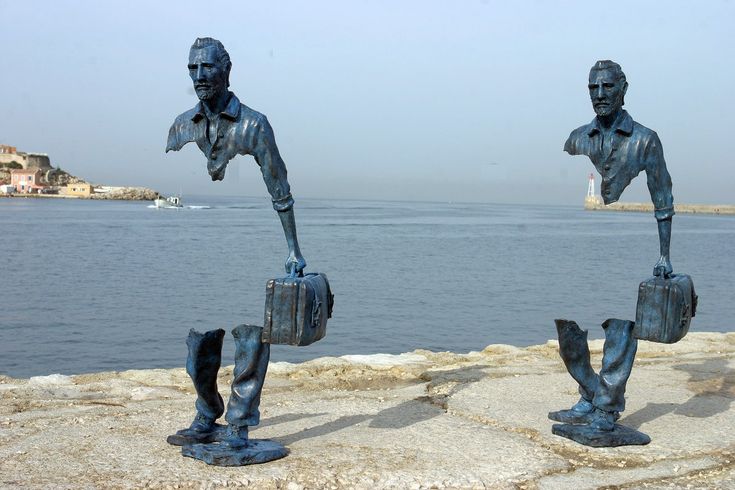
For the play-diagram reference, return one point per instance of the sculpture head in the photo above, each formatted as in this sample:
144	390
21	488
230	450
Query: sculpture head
209	68
607	86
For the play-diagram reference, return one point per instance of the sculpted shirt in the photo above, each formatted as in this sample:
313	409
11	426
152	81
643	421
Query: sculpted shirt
631	149
238	130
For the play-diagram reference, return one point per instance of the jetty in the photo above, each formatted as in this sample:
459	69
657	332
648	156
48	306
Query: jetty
594	205
594	202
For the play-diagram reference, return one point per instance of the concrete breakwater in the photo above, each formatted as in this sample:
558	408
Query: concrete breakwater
597	205
416	420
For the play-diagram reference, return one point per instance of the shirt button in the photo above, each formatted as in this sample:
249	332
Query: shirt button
220	134
607	167
214	155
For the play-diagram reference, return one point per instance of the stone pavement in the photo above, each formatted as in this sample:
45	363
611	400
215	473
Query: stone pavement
416	420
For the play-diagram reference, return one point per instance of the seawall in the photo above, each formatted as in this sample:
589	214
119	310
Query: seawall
416	420
597	205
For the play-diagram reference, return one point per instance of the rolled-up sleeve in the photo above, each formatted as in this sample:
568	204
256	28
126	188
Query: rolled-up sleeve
659	180
272	166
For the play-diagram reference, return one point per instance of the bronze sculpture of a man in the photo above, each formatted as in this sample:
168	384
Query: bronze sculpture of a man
223	127
620	149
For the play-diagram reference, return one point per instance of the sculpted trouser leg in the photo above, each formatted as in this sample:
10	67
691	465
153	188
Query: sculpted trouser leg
575	353
202	364
617	362
251	364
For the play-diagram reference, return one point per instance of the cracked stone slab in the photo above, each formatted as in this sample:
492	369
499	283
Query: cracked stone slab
421	420
593	478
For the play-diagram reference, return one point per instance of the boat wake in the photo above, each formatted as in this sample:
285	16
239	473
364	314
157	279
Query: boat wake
153	206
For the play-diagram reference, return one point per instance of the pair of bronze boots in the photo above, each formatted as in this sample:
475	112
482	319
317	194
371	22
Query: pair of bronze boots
602	395
202	364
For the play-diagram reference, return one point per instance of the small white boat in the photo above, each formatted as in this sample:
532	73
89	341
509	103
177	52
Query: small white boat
168	203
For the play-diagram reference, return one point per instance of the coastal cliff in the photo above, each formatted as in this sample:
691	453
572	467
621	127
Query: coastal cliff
31	175
415	420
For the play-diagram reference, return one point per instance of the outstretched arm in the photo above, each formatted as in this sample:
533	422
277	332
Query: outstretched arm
659	185
275	177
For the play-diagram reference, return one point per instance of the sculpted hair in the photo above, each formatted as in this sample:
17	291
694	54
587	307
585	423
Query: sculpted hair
222	55
607	65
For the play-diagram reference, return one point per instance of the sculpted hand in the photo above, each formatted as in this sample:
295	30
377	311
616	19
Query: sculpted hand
217	172
295	259
663	267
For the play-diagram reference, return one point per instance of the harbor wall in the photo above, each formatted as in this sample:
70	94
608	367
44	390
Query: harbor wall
597	205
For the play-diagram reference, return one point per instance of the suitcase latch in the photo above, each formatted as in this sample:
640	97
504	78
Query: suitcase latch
685	315
316	314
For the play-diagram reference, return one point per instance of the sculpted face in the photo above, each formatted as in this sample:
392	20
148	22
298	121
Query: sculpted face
607	92
208	74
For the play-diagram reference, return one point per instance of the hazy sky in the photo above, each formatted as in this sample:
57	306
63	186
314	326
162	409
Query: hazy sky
426	100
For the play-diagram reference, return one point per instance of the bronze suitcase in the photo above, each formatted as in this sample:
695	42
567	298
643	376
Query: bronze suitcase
665	308
297	309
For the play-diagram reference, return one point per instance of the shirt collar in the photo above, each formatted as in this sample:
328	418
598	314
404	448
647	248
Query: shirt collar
623	124
232	111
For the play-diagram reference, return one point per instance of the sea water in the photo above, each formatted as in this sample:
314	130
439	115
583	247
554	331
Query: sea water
112	285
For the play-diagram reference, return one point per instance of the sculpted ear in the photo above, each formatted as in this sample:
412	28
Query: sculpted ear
625	89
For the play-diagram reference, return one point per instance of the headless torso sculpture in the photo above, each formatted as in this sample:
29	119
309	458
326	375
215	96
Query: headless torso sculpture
222	128
620	149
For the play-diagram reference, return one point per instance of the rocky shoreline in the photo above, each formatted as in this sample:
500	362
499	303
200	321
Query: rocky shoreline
415	420
128	194
118	194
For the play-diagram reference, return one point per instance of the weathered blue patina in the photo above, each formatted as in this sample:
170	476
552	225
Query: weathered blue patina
620	149
223	127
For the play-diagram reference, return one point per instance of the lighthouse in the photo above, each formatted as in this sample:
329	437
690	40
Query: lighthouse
591	186
591	200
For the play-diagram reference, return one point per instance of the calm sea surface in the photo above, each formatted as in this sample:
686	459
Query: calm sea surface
108	285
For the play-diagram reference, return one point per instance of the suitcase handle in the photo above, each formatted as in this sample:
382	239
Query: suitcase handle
662	273
292	274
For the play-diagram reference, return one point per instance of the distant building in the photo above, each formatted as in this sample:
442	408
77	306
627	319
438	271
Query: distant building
81	189
7	189
11	158
26	181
